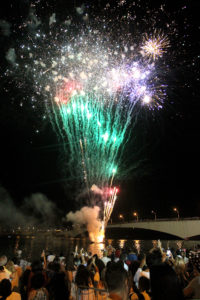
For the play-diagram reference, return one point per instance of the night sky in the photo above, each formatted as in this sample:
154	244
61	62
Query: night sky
165	144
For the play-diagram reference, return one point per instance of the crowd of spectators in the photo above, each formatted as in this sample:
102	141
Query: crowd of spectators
120	274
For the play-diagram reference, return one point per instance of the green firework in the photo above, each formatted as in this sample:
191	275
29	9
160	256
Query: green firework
95	130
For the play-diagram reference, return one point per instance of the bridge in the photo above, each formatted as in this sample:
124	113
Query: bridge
182	228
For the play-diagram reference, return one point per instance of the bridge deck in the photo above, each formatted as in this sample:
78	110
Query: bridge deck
184	228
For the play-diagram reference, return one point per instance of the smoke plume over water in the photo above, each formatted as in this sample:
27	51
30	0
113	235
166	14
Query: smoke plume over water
35	210
88	216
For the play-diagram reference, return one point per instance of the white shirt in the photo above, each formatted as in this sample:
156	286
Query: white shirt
137	276
140	273
105	260
126	267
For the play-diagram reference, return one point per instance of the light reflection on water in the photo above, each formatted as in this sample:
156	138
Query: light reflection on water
122	243
33	245
137	245
96	248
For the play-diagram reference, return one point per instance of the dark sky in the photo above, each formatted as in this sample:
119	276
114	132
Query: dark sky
167	142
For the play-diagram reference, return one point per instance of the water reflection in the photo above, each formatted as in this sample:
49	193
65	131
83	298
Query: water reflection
33	245
121	243
109	242
96	248
137	245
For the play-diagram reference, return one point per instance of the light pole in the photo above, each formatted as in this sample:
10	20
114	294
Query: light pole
135	214
176	210
153	212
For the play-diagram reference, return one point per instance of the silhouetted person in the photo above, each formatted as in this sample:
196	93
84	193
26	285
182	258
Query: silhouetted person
116	278
164	283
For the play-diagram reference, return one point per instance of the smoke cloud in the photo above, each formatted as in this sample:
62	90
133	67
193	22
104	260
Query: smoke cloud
35	210
95	189
11	56
9	213
41	207
88	216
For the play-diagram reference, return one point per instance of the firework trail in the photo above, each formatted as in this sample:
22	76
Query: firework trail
93	107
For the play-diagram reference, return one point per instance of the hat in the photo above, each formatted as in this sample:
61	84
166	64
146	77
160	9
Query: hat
3	260
50	258
10	266
19	252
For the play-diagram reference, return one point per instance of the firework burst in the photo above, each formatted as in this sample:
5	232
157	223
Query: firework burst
155	45
93	79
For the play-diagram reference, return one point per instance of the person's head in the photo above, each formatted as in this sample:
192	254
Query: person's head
164	283
116	278
134	266
36	266
5	288
132	250
82	278
95	257
77	261
112	257
89	254
105	253
70	265
109	264
173	252
100	264
3	260
117	253
154	258
179	265
16	260
10	266
54	266
141	256
144	284
37	281
123	257
145	268
183	253
58	288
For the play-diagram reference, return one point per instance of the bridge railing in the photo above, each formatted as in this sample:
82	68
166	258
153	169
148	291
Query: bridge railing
154	220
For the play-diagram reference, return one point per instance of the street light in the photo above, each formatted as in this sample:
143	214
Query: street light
153	212
121	217
176	210
135	214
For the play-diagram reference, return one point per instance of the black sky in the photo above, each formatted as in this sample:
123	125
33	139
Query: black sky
169	151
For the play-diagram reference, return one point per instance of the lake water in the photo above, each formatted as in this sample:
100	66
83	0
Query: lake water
33	244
